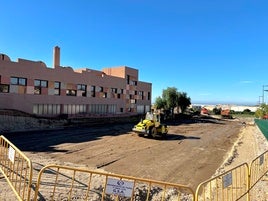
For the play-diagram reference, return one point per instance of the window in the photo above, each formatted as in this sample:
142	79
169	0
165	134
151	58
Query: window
14	80
56	88
114	90
122	91
43	83
38	84
141	94
57	85
131	82
133	101
105	95
134	83
18	81
128	77
149	95
83	88
37	90
70	92
4	88
100	89
93	88
44	109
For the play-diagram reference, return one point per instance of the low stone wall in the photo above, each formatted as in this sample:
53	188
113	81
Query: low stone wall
10	122
21	123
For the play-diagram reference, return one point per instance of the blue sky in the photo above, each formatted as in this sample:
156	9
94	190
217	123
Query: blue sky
215	51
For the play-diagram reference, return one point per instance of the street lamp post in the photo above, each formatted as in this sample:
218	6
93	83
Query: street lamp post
260	100
263	90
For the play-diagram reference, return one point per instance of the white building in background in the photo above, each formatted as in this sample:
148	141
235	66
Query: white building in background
236	108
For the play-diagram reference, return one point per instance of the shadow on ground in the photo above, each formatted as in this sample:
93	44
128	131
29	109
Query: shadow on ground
47	140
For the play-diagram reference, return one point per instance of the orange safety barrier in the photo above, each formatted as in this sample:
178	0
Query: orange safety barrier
68	183
16	168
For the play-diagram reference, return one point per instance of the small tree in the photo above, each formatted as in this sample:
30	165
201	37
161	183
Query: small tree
160	103
183	101
171	98
261	111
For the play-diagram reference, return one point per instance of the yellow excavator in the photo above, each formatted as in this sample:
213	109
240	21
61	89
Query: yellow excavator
151	126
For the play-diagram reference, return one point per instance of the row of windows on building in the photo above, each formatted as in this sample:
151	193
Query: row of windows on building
39	84
57	109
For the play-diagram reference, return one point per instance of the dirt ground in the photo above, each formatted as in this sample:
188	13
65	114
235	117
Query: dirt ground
191	153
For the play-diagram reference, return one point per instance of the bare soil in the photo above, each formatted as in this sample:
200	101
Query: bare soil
191	153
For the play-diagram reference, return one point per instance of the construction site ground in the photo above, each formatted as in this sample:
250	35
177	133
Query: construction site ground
191	153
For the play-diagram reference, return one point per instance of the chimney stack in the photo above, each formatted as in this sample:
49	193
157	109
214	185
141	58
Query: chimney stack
56	57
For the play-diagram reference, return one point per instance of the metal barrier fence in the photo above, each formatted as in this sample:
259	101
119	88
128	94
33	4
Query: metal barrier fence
57	182
258	169
229	186
16	168
68	183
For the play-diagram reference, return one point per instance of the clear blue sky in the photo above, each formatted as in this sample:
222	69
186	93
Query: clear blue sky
215	51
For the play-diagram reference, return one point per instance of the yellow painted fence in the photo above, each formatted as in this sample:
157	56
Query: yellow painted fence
231	185
55	182
16	168
67	183
258	169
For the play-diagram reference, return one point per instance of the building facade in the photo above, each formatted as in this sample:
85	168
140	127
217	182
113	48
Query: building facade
32	87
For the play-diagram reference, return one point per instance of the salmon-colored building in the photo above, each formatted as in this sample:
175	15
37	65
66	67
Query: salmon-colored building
32	87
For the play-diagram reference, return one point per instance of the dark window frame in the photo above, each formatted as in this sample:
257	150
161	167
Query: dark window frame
38	85
93	91
105	95
128	79
57	86
82	87
18	81
114	90
41	83
2	86
71	92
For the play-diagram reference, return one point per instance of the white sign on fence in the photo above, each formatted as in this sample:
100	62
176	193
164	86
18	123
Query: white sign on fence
11	154
119	187
261	159
227	180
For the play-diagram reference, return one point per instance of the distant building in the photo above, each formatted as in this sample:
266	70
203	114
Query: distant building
32	87
236	108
